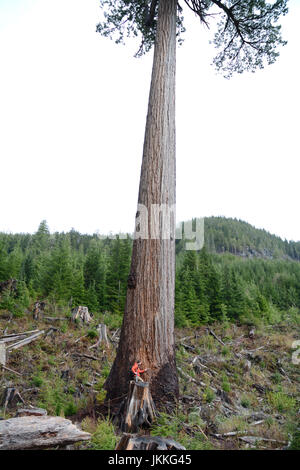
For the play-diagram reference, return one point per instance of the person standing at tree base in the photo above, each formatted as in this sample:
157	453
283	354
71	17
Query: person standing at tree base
137	371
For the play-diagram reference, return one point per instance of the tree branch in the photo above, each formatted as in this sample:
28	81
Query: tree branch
150	16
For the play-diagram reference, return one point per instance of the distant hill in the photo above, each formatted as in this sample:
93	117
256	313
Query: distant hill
235	236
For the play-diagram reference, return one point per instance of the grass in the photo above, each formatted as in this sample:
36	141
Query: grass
233	423
225	384
295	442
245	402
225	351
92	334
172	426
103	434
281	402
208	395
37	381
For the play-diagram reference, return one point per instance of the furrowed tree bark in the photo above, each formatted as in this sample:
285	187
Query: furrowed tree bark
148	324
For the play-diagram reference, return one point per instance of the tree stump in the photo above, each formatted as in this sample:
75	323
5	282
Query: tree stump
10	284
251	333
82	314
38	310
102	338
139	409
2	354
130	442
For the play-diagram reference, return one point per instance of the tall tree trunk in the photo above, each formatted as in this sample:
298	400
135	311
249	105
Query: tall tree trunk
148	324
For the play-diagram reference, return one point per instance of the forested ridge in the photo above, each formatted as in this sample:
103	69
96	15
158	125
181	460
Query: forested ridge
260	280
240	238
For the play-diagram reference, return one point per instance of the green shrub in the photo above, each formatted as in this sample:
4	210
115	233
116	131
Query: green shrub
100	397
92	334
51	360
295	443
208	395
225	351
56	398
105	371
103	438
70	409
195	442
167	425
277	378
37	381
64	327
172	426
225	384
294	315
112	320
281	402
194	418
245	402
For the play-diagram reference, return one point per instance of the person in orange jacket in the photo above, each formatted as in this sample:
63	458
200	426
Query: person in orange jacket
136	370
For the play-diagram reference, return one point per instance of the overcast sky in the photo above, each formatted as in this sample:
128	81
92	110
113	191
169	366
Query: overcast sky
72	116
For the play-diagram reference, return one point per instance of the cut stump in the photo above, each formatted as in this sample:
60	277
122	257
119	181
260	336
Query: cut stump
2	354
38	310
82	314
139	409
10	285
130	442
102	338
39	432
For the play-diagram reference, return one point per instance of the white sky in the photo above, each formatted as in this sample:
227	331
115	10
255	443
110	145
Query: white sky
72	115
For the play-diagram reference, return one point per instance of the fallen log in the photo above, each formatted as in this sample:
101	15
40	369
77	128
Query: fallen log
139	408
31	412
39	432
215	336
18	334
25	341
191	379
189	348
254	439
229	434
54	318
10	370
50	331
79	339
179	340
12	338
85	355
282	371
115	334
